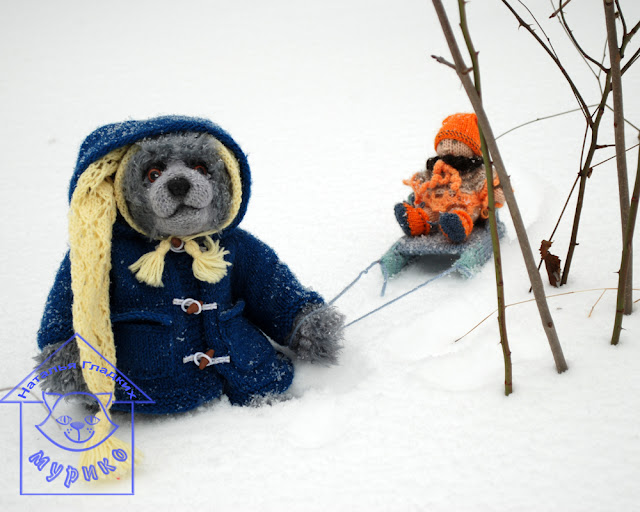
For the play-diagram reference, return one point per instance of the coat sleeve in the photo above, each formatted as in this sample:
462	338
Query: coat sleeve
273	296
57	320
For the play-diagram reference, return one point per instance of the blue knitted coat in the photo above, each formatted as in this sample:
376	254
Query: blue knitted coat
258	296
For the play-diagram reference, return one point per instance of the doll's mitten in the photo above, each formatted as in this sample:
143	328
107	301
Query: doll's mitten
319	335
66	381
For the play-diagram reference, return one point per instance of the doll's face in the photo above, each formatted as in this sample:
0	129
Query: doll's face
453	147
177	185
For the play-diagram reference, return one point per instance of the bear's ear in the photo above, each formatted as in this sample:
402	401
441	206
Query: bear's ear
50	399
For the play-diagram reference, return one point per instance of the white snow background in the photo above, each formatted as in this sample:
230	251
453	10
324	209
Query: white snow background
335	103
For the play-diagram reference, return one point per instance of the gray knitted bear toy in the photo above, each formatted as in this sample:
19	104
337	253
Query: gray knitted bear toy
178	185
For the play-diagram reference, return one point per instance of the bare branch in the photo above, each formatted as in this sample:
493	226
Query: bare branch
618	127
624	23
542	119
625	264
633	58
594	306
527	302
444	61
539	26
604	56
585	56
554	57
559	9
514	210
612	157
585	172
495	238
629	35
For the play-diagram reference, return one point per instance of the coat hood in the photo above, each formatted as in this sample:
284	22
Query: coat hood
117	135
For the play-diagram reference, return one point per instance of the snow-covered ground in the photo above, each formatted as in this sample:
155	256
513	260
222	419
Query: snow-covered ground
336	102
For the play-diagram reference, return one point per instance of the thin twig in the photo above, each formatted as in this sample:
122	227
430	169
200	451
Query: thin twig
556	60
562	6
624	23
625	264
514	210
539	26
594	306
585	56
612	157
628	37
631	61
540	119
531	300
585	172
584	144
604	56
444	61
544	118
625	120
495	238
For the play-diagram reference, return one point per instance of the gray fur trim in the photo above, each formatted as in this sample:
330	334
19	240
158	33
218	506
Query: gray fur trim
320	335
66	381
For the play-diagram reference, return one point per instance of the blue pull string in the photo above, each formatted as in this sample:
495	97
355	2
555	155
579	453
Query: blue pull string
330	303
352	284
435	278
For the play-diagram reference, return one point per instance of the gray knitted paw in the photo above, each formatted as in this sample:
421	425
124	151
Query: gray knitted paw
320	334
66	381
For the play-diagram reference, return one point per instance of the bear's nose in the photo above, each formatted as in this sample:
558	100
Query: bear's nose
179	186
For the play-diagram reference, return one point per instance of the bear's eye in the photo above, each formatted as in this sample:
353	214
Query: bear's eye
153	174
64	420
91	420
201	169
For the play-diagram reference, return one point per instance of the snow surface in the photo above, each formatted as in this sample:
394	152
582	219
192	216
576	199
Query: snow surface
336	102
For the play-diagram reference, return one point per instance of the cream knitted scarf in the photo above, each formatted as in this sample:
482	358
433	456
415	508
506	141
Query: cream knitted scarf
94	205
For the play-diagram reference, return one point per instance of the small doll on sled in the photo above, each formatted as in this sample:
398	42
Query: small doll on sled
450	195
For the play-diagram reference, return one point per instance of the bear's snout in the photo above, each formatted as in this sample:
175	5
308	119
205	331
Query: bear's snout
179	186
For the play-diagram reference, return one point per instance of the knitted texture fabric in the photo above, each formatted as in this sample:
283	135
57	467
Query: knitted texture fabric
445	191
208	265
137	325
471	255
92	213
462	127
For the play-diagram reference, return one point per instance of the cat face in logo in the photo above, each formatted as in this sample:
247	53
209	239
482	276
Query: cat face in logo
70	426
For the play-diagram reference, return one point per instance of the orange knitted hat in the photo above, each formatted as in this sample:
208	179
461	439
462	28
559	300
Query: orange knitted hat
462	127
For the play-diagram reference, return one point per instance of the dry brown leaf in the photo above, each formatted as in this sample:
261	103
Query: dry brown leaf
551	263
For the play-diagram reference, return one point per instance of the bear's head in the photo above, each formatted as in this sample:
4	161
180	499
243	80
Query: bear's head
177	185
